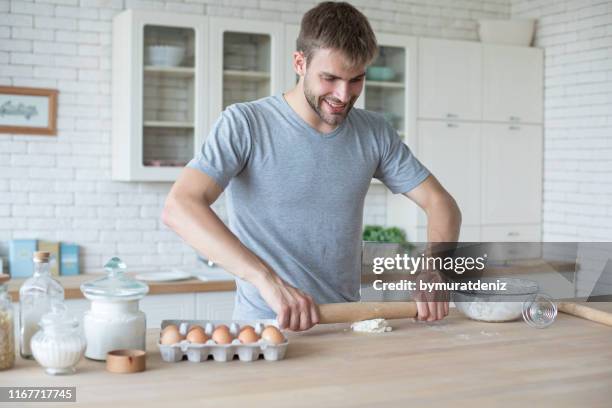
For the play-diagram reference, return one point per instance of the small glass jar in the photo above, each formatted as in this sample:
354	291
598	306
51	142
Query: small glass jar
114	321
7	327
35	298
59	345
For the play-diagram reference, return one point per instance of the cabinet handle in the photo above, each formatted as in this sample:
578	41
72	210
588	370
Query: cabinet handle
451	115
513	234
452	125
515	119
512	127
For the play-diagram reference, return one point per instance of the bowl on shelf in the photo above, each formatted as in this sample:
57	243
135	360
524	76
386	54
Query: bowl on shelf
165	55
379	73
508	32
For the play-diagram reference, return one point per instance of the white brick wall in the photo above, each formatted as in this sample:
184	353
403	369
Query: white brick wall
60	187
577	40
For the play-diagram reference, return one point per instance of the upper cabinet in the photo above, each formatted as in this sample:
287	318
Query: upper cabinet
159	91
450	78
390	83
246	61
173	74
291	34
512	84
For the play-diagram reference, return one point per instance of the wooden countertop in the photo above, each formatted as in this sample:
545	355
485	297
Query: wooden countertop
456	362
72	286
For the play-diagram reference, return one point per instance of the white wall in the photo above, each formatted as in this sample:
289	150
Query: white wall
577	39
60	188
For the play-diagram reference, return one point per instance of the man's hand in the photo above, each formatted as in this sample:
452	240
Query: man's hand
294	309
431	306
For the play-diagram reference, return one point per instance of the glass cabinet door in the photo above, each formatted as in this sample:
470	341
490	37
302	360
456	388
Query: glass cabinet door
385	86
160	93
246	67
168	96
246	61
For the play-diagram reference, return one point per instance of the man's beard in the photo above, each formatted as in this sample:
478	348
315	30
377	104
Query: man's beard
315	103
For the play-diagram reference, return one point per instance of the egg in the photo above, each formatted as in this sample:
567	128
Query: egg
221	335
195	327
197	335
272	335
247	335
170	335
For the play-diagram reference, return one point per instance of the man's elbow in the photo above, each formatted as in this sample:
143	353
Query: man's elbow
168	215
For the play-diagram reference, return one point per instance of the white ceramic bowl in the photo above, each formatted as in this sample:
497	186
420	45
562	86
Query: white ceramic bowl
165	55
509	32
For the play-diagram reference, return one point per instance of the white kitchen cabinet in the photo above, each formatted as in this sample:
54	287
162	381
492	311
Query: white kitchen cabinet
511	174
392	93
511	233
159	93
512	83
246	61
450	79
451	151
215	305
291	34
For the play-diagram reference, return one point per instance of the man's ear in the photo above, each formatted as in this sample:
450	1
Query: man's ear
299	63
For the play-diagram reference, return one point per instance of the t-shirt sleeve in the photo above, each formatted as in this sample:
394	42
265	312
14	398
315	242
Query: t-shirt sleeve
398	168
226	150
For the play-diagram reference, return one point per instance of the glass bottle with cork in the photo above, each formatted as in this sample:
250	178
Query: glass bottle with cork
35	298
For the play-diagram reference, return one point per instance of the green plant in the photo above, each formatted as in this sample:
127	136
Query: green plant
377	233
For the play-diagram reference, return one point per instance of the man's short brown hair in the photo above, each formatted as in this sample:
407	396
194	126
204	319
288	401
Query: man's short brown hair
337	26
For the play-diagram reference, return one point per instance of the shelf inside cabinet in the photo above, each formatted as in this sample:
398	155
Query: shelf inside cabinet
177	71
384	84
167	124
255	75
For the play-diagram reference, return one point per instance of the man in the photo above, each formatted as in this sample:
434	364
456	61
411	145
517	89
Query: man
296	168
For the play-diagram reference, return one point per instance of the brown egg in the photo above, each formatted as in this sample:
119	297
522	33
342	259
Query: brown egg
247	335
273	335
246	327
221	335
170	335
197	335
195	327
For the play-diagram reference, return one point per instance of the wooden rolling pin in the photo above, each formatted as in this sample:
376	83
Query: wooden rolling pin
357	311
585	312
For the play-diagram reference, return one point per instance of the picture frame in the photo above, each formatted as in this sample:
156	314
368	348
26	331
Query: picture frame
30	111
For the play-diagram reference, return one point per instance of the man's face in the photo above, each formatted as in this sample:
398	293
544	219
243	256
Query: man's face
331	86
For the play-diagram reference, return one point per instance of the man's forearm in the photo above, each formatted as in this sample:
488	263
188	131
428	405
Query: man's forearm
197	224
443	221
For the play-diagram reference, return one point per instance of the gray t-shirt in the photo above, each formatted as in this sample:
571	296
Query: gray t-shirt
295	196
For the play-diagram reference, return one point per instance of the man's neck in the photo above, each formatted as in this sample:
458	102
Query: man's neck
297	101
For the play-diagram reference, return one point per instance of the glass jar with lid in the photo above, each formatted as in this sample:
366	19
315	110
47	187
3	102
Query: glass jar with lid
7	326
59	345
35	298
114	320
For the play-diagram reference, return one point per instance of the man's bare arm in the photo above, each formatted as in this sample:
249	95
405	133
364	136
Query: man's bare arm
443	224
443	214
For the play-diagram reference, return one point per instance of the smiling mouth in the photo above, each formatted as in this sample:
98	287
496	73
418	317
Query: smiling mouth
335	108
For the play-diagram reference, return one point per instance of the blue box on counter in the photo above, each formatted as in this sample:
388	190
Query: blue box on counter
69	259
21	252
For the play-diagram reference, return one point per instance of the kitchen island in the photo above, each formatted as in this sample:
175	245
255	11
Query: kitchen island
454	362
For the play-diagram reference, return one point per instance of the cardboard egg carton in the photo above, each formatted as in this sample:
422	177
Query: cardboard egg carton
199	352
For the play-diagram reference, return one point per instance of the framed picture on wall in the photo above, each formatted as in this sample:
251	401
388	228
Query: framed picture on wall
28	111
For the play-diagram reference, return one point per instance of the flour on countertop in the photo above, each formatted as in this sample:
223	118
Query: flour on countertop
372	326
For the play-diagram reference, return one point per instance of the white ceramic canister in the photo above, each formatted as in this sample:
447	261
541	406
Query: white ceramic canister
114	320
